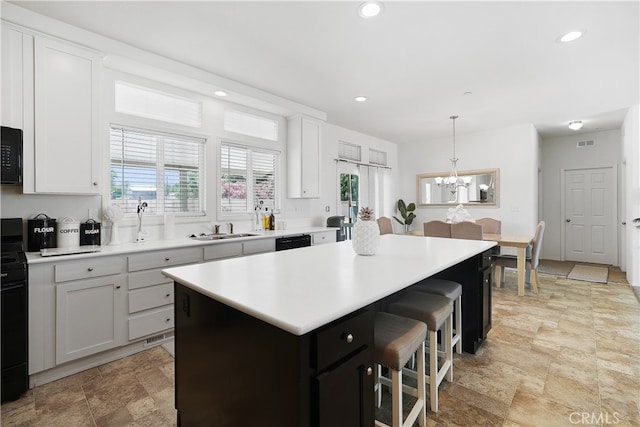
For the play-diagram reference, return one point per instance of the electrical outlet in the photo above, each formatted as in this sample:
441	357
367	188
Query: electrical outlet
327	208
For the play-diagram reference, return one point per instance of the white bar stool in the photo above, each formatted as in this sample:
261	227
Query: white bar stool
396	340
437	312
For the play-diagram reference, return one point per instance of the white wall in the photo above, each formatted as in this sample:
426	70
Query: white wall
631	158
562	153
513	150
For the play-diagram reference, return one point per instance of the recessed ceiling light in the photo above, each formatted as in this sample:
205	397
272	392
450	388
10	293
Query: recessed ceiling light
360	98
369	9
220	93
575	125
571	36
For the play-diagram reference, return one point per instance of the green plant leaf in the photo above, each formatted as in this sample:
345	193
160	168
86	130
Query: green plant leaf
402	206
410	218
411	207
401	222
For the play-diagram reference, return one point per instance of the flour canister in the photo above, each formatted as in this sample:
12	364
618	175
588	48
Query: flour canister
90	233
68	233
41	233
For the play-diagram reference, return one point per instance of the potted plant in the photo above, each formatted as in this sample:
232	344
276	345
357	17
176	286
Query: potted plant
407	214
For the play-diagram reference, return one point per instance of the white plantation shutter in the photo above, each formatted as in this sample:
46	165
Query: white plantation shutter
165	170
247	176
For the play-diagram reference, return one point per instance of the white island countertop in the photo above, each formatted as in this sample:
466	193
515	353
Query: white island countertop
303	289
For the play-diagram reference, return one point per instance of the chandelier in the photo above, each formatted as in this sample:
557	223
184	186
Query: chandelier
453	182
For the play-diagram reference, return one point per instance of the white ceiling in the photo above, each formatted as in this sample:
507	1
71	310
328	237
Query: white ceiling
414	62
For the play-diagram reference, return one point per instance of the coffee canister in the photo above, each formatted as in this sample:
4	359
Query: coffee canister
41	233
68	233
90	233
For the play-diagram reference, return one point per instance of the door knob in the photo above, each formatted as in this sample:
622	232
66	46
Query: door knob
568	220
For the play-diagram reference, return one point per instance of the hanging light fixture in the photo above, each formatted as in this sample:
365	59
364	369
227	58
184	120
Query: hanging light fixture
453	181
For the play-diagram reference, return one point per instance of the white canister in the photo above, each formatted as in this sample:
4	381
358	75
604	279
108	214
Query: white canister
68	233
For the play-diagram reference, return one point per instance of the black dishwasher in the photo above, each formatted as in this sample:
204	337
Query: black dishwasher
293	242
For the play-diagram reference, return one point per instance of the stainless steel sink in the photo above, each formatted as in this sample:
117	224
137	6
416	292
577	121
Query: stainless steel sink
222	236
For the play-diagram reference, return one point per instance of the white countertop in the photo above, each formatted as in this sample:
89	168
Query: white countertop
300	290
181	242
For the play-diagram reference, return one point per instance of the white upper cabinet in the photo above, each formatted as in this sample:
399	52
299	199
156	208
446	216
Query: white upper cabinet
303	157
67	154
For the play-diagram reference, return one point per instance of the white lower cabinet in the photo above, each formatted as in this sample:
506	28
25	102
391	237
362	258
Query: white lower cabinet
89	316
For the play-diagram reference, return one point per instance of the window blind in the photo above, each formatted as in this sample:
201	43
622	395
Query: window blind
377	157
247	176
165	170
349	151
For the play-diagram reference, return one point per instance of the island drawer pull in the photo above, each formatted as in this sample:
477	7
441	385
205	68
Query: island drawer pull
349	338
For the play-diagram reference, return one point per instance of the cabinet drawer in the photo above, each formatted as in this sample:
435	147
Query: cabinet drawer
343	338
150	297
164	258
223	250
96	267
258	246
150	323
324	237
142	279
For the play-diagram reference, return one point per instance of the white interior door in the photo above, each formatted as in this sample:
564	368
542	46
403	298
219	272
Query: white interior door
590	207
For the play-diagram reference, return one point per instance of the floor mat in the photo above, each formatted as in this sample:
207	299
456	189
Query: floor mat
589	273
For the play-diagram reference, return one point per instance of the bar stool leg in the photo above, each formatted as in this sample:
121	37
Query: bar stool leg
422	388
396	396
433	369
446	339
459	324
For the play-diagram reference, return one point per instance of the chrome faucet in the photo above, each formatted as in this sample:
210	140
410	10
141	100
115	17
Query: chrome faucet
230	227
216	229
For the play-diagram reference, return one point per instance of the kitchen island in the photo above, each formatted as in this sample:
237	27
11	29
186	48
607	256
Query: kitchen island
285	339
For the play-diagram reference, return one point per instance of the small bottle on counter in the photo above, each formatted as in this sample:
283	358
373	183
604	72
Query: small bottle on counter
272	221
265	219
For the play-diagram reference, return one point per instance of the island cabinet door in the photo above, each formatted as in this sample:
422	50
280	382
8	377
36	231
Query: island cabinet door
344	395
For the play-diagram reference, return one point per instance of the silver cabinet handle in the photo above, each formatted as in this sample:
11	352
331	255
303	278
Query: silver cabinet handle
369	371
118	287
167	259
168	295
349	339
90	269
95	184
568	220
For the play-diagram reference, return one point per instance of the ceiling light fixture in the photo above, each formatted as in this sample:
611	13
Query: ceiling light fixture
453	182
571	36
575	125
360	98
369	9
220	93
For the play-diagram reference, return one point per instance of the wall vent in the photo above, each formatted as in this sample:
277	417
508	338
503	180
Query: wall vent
155	339
585	143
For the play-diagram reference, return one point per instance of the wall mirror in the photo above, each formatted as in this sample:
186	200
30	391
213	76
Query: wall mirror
474	187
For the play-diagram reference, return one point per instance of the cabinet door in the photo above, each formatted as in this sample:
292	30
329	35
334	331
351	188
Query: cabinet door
310	158
345	393
303	158
90	317
66	118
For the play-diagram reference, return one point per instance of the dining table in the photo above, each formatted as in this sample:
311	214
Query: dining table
518	241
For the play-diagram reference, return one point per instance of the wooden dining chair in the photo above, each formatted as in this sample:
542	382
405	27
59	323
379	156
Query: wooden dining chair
531	262
490	225
466	230
437	229
384	223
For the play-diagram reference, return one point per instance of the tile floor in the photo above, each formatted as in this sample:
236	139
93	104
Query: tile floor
567	356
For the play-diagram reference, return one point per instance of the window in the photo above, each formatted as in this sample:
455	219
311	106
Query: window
251	125
164	170
377	157
152	104
247	177
349	151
